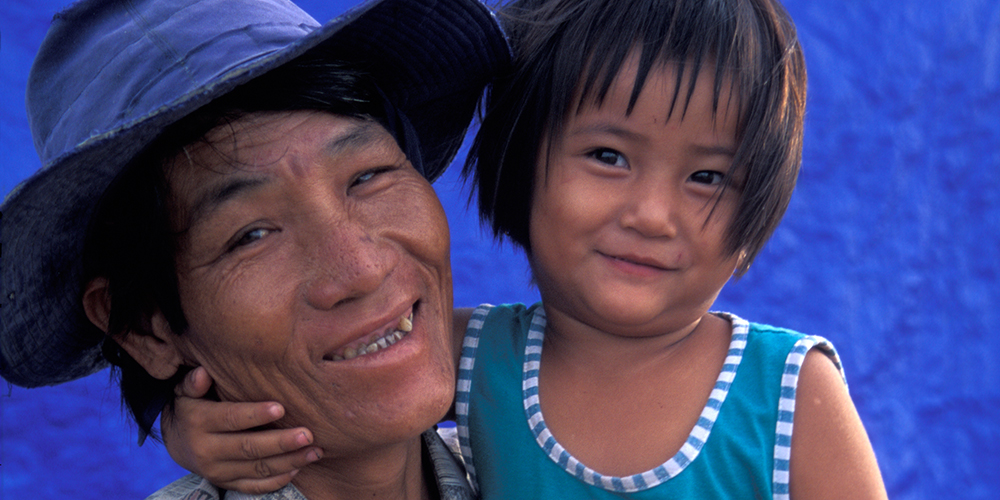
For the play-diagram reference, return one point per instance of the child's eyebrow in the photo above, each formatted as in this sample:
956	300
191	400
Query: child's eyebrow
698	149
713	150
610	129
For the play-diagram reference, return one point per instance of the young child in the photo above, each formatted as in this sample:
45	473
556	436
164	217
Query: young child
641	154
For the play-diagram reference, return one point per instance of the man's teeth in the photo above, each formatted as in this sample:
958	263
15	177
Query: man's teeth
405	326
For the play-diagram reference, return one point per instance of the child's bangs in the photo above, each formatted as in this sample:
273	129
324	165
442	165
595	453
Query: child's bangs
757	62
569	52
685	33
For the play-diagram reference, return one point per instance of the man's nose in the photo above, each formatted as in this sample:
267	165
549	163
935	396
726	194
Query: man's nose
349	261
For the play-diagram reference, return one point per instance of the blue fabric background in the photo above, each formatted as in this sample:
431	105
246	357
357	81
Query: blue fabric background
891	248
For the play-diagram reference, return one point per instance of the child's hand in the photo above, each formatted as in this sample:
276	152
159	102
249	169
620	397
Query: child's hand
215	440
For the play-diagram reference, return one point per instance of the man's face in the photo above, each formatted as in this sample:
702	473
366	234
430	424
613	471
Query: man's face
305	240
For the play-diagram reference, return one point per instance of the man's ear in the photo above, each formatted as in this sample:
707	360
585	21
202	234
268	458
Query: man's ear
155	350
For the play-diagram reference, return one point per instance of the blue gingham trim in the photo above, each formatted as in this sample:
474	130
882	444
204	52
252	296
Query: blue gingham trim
651	478
786	407
464	384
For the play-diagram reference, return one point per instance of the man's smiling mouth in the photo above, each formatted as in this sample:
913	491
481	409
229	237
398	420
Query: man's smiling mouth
376	342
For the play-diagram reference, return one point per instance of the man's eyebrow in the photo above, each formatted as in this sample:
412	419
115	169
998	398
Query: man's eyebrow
222	192
361	134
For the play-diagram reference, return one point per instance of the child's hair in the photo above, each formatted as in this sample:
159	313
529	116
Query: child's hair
568	52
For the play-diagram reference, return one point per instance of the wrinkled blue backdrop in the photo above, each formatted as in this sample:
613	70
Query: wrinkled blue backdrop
891	248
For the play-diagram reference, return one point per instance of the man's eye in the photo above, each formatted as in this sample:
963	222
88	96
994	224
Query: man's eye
708	177
249	237
609	157
365	177
369	175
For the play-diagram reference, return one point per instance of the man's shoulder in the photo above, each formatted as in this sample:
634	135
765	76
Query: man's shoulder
195	487
189	487
448	469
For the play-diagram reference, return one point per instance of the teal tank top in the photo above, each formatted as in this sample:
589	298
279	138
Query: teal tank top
739	448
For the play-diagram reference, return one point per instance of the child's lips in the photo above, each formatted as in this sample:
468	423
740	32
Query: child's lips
638	260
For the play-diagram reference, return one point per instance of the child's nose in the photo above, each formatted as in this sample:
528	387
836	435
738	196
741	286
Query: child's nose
651	210
347	262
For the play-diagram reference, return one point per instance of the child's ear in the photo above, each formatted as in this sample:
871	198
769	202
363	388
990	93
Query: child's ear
742	260
156	350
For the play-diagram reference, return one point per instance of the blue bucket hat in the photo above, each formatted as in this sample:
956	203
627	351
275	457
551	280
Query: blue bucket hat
111	75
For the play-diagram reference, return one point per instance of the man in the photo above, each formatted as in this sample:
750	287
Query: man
126	87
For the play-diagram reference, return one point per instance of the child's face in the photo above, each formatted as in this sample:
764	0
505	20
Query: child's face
621	233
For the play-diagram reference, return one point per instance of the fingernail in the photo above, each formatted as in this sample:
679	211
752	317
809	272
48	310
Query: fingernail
314	455
301	439
274	410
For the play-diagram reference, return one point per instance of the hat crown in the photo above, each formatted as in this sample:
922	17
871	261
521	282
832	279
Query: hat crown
106	64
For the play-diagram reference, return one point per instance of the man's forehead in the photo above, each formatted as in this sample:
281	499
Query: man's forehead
255	141
242	156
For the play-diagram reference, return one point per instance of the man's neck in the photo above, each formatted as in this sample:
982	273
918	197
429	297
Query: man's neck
389	473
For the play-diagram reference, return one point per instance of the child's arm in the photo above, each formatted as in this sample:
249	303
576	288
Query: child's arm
831	454
216	441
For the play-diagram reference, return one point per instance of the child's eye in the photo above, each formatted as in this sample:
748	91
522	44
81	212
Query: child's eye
609	157
708	177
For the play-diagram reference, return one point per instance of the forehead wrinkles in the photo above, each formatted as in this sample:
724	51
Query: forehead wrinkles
241	143
233	146
223	149
234	157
